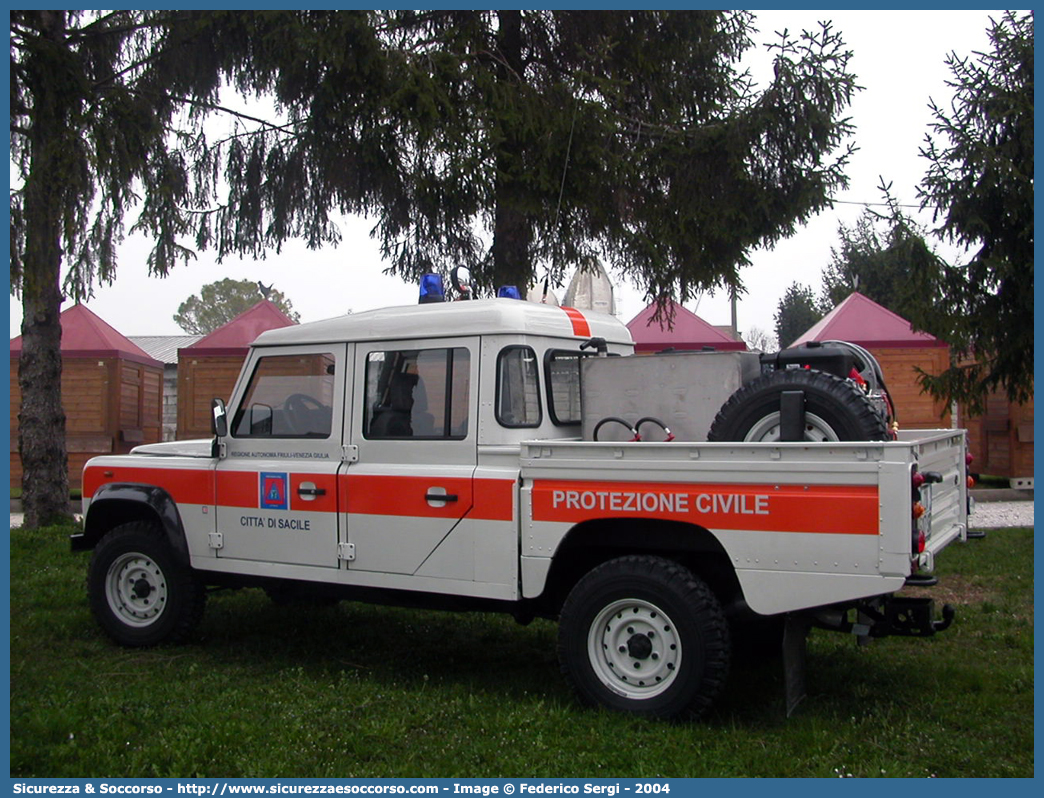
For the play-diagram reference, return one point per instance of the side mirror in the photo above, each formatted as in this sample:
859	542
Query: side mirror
218	418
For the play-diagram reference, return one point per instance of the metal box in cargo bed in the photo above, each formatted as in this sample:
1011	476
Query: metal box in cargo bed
684	390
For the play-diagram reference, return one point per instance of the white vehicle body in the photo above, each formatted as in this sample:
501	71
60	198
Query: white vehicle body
484	497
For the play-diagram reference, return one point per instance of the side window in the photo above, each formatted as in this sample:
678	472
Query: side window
562	375
419	393
289	396
518	388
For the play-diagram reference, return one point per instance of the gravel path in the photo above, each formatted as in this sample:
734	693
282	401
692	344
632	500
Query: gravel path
995	515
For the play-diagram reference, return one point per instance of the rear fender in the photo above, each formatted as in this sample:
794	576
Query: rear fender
590	543
121	502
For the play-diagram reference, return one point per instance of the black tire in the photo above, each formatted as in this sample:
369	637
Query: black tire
641	634
836	409
139	593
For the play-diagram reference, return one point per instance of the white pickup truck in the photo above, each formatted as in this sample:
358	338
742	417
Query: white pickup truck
469	455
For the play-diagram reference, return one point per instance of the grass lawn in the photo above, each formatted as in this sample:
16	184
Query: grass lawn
355	690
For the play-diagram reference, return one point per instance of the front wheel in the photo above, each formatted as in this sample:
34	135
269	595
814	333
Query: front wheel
642	634
138	592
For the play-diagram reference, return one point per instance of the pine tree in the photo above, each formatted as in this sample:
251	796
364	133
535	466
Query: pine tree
891	263
524	143
93	98
980	181
796	313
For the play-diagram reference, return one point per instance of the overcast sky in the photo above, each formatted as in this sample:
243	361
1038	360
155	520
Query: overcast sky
899	58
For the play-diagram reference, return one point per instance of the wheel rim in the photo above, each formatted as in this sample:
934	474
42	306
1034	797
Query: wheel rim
634	648
767	429
136	589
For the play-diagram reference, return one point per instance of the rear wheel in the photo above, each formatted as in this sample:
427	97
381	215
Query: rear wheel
834	409
139	593
642	634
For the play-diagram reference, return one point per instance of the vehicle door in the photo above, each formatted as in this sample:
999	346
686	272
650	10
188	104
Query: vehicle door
276	483
412	484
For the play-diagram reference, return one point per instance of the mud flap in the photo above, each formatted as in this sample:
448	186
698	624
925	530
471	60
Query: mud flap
795	639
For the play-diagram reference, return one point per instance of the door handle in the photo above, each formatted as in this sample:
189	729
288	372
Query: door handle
441	497
303	491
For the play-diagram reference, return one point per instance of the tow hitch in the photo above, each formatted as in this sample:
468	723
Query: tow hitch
908	617
902	616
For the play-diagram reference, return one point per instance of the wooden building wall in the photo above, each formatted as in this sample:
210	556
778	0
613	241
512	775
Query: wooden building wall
1001	441
200	379
914	408
111	405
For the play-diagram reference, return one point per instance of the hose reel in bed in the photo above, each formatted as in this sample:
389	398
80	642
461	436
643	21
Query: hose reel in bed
635	430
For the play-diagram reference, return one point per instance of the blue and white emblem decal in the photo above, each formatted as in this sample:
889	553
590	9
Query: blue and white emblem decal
274	490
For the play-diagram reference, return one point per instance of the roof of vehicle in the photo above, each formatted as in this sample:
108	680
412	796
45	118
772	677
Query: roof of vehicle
452	319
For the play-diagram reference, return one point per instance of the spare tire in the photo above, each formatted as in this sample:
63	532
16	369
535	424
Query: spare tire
835	409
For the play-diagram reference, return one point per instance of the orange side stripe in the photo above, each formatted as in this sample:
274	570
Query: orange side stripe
494	500
402	496
242	489
185	485
481	499
835	509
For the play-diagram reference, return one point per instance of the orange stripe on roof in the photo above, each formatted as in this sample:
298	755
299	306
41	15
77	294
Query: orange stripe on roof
580	325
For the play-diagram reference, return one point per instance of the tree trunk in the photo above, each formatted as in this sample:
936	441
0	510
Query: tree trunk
41	419
512	231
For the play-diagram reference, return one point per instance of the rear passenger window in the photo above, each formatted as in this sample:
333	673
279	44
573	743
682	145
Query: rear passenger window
518	388
562	374
419	393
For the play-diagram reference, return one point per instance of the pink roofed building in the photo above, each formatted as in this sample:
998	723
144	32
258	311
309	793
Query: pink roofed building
112	392
209	367
687	332
862	321
900	350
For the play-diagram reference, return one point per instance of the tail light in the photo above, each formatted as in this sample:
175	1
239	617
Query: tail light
917	510
918	536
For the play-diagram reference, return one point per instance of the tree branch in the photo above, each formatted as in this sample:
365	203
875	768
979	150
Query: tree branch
238	114
88	31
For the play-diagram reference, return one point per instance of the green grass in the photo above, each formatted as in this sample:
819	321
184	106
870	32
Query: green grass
356	690
988	481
